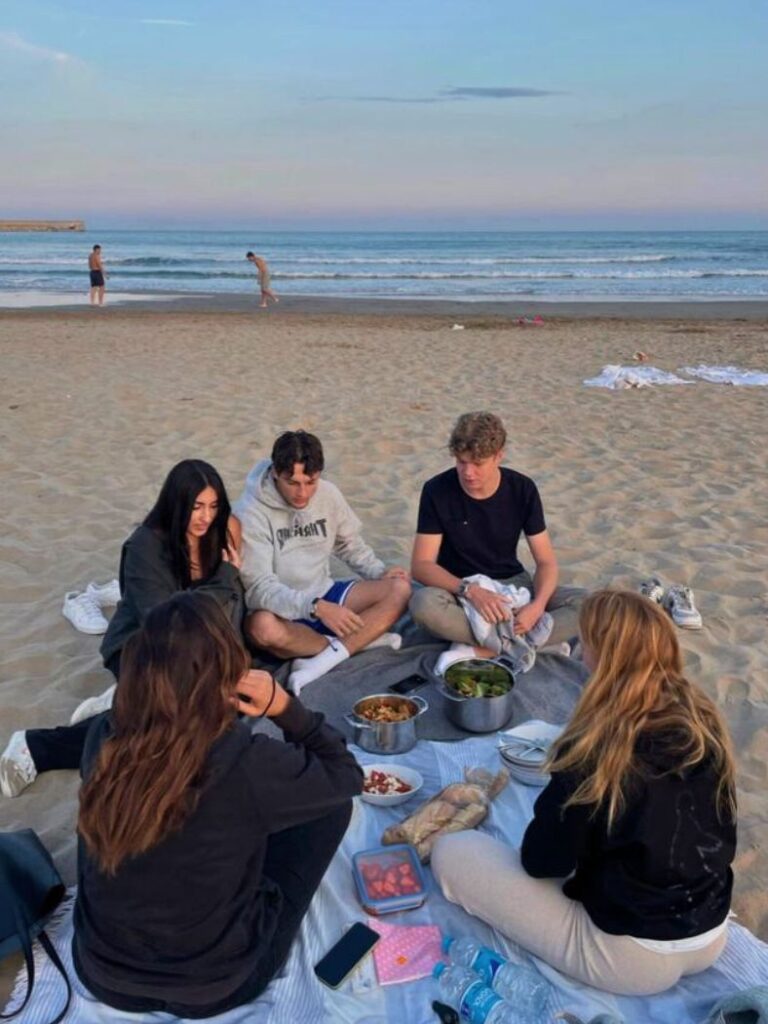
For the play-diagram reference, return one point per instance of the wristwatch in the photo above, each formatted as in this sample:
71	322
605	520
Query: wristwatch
313	609
463	588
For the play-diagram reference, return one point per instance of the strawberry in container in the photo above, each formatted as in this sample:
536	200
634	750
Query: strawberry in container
389	878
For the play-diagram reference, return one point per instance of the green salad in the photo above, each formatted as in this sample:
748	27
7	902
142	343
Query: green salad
475	678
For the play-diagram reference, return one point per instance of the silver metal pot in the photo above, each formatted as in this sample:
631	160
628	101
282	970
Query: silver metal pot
479	714
385	737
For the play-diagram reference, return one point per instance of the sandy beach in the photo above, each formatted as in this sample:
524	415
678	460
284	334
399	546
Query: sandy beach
97	405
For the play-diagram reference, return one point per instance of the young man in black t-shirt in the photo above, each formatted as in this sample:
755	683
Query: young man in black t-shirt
471	518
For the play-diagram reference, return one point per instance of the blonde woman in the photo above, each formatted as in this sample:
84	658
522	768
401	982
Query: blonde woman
638	818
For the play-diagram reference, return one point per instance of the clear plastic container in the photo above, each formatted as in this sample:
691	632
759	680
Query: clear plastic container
520	985
389	878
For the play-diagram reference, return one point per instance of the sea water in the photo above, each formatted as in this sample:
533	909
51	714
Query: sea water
469	266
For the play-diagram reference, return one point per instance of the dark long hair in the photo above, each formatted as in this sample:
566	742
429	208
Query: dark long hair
178	675
173	508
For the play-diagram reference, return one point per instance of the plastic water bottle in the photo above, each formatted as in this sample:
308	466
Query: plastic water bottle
467	993
522	987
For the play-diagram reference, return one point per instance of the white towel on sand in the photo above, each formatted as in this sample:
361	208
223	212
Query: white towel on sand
618	378
727	375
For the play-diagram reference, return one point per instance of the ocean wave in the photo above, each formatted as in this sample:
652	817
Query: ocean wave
470	260
179	274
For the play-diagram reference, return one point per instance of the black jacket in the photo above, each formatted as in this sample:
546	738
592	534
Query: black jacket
663	872
188	920
147	579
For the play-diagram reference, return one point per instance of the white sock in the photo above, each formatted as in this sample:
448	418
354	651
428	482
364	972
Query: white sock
393	640
307	669
456	652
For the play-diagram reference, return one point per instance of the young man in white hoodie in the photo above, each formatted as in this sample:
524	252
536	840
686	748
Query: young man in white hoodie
292	522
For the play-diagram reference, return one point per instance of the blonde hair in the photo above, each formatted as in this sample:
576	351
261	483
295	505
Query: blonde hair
478	434
637	687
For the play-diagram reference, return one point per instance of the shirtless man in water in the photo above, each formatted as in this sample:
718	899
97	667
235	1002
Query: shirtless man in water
97	272
263	270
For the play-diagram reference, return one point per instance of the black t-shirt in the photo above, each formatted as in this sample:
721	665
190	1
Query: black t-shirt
481	535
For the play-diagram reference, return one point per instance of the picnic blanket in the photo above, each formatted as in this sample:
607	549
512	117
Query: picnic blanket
549	691
297	996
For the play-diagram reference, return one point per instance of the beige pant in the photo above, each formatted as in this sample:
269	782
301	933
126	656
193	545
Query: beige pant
486	878
438	611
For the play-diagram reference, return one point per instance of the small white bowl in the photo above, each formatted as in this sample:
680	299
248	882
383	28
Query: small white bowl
408	775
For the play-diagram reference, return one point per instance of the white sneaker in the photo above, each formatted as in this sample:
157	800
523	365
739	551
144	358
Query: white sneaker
541	631
678	601
84	613
93	706
17	769
106	594
653	589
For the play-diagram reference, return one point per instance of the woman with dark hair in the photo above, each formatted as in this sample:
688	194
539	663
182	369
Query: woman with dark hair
187	541
201	845
639	819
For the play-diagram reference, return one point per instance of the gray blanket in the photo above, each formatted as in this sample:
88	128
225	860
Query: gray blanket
549	691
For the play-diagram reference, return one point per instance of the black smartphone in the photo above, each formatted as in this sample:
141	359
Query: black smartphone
409	683
339	962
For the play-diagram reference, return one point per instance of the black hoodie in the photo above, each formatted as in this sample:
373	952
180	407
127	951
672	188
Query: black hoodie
189	920
662	872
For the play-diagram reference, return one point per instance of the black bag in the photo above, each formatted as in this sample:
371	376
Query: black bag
30	890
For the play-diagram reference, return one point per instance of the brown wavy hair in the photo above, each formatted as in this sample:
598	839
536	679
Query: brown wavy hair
637	687
478	435
178	675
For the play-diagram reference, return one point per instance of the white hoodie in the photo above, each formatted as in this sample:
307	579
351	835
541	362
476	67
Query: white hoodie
286	550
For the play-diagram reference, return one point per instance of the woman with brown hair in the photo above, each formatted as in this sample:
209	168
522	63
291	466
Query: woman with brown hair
201	844
638	818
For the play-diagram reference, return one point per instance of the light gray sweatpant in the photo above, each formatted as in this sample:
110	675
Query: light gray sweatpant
486	878
438	611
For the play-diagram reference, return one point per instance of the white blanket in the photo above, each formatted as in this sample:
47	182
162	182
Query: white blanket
621	377
297	997
727	375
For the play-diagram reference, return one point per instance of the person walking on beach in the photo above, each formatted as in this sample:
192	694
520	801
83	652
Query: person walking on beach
470	521
97	274
292	522
267	295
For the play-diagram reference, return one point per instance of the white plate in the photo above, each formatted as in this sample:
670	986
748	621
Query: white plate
409	775
525	768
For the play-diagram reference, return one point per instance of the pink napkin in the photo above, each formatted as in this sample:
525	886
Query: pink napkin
405	953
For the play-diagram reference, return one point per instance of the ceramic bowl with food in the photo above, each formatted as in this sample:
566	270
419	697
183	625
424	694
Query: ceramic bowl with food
386	785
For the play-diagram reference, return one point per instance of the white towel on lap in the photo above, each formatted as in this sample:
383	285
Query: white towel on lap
486	633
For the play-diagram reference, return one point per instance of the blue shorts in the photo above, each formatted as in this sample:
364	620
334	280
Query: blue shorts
336	594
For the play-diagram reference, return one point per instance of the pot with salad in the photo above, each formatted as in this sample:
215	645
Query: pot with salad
479	694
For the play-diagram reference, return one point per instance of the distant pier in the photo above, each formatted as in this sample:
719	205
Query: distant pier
42	225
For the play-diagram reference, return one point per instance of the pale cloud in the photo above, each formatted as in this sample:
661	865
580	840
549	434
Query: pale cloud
13	41
166	21
495	92
457	94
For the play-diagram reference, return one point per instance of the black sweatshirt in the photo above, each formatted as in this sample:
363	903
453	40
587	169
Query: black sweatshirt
663	872
147	579
188	920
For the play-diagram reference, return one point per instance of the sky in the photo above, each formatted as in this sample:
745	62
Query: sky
477	114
